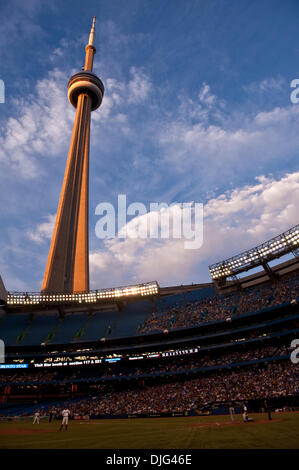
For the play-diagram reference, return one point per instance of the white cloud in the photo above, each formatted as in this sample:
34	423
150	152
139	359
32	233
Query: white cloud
250	215
42	125
44	230
139	86
233	222
205	137
118	94
268	84
205	95
41	128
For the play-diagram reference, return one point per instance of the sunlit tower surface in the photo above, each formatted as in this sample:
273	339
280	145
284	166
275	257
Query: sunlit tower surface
67	269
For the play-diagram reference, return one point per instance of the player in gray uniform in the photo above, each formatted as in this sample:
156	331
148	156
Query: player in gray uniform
65	419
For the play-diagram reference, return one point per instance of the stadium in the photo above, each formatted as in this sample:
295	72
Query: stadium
211	365
177	356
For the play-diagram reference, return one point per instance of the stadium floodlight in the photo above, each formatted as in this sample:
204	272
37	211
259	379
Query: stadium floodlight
147	289
281	245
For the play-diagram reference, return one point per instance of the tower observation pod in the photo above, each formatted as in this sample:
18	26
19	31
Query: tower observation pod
67	269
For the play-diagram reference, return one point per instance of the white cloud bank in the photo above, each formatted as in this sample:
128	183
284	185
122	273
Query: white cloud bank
44	230
233	222
205	137
42	124
41	129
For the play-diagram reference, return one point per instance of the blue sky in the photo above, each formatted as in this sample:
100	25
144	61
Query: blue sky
196	108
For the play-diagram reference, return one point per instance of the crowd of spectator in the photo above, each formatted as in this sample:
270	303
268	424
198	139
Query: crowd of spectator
191	363
34	377
275	380
220	307
160	366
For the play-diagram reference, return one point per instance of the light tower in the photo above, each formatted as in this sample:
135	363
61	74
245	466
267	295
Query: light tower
67	269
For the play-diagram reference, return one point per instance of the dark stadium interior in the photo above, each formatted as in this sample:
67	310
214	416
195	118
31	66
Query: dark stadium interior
190	351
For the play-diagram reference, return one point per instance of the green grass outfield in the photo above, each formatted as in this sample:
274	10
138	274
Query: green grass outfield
208	432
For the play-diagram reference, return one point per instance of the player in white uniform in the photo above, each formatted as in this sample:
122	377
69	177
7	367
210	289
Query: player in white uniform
36	417
246	419
232	412
244	413
65	419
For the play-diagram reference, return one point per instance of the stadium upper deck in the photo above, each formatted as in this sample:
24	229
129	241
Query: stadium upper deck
135	314
180	321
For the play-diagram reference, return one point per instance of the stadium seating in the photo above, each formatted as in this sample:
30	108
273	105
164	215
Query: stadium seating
72	323
133	315
199	294
198	307
276	381
163	303
177	311
41	327
100	325
12	327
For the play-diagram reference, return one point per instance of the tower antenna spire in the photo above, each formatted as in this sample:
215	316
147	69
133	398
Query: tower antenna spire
90	49
92	33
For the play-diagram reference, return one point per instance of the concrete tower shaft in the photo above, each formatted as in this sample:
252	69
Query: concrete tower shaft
67	269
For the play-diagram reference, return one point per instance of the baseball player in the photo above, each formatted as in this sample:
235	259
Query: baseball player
232	412
65	419
36	417
244	413
267	409
246	418
51	416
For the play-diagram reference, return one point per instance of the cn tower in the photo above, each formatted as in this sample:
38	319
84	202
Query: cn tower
67	269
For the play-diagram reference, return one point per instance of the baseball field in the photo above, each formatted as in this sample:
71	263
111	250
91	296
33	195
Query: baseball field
208	432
